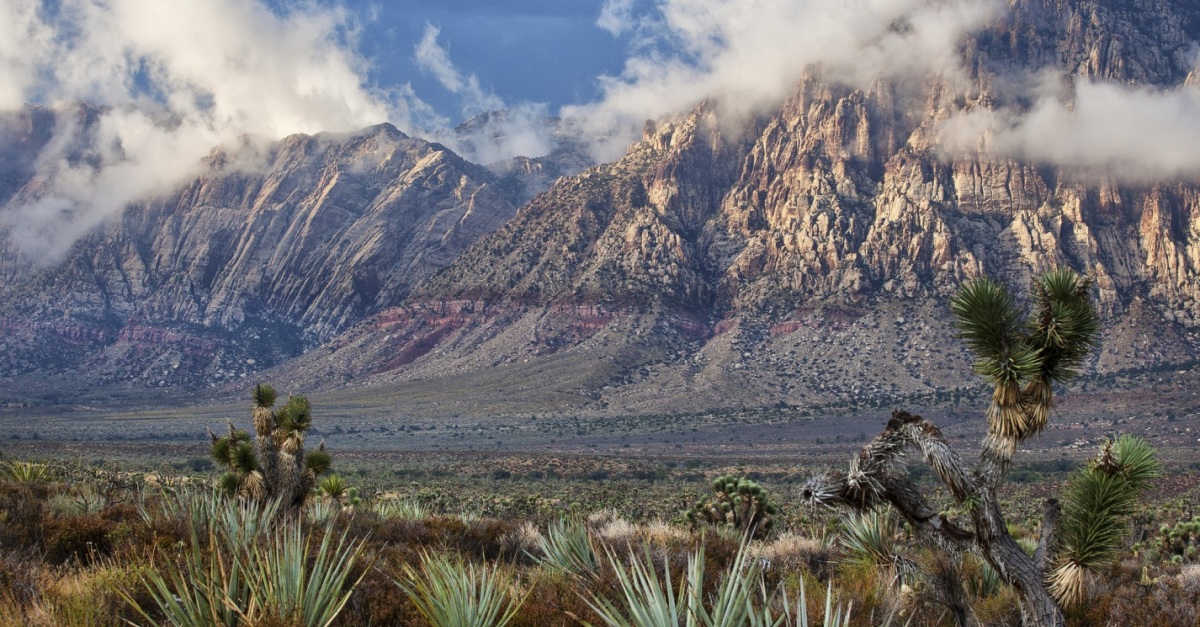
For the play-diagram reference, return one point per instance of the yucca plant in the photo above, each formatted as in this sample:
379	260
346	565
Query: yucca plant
1022	355
740	599
868	539
280	581
26	472
404	509
275	465
291	582
1021	351
333	487
567	547
450	593
1098	502
986	583
204	590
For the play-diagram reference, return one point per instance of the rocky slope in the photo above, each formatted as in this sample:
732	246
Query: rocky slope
803	257
808	258
244	266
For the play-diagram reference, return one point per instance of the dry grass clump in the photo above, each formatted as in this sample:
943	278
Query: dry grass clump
792	553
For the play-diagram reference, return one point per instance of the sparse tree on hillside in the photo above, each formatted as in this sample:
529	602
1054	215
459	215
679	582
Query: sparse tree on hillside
275	466
1021	355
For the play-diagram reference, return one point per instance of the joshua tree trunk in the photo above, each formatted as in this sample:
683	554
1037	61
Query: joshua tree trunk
876	477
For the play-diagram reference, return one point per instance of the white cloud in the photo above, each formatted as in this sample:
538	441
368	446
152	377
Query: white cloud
616	17
749	54
514	130
175	78
1128	134
434	59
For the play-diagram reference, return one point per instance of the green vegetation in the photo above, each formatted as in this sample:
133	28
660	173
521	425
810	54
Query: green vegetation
275	466
154	554
736	503
1099	501
1020	355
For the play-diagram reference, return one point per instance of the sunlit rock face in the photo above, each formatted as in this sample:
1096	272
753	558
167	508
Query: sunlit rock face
802	256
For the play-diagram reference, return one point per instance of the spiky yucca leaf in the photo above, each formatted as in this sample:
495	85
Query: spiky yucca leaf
1137	461
1097	503
230	484
263	395
318	461
739	599
567	547
646	599
197	593
243	458
291	581
449	593
26	472
221	451
296	415
990	322
334	487
1065	323
869	540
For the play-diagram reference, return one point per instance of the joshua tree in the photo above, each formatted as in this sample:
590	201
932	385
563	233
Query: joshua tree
275	465
735	503
1021	355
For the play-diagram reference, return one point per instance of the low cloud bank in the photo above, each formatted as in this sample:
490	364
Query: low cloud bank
175	79
1121	133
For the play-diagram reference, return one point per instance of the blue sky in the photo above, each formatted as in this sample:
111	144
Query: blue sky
546	51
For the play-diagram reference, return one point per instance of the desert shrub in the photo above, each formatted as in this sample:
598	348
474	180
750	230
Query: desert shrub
791	554
554	600
22	508
76	538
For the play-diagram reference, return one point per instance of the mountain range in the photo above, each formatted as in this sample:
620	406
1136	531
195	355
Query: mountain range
802	256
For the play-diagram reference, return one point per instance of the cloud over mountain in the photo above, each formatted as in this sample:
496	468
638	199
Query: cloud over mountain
174	79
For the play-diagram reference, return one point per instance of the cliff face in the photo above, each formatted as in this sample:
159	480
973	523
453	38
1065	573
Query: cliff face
265	253
800	257
809	255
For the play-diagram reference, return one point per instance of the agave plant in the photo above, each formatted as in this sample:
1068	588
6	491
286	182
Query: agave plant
1097	504
449	593
567	547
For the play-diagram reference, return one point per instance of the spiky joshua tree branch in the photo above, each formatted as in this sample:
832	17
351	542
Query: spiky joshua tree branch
1020	356
275	466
